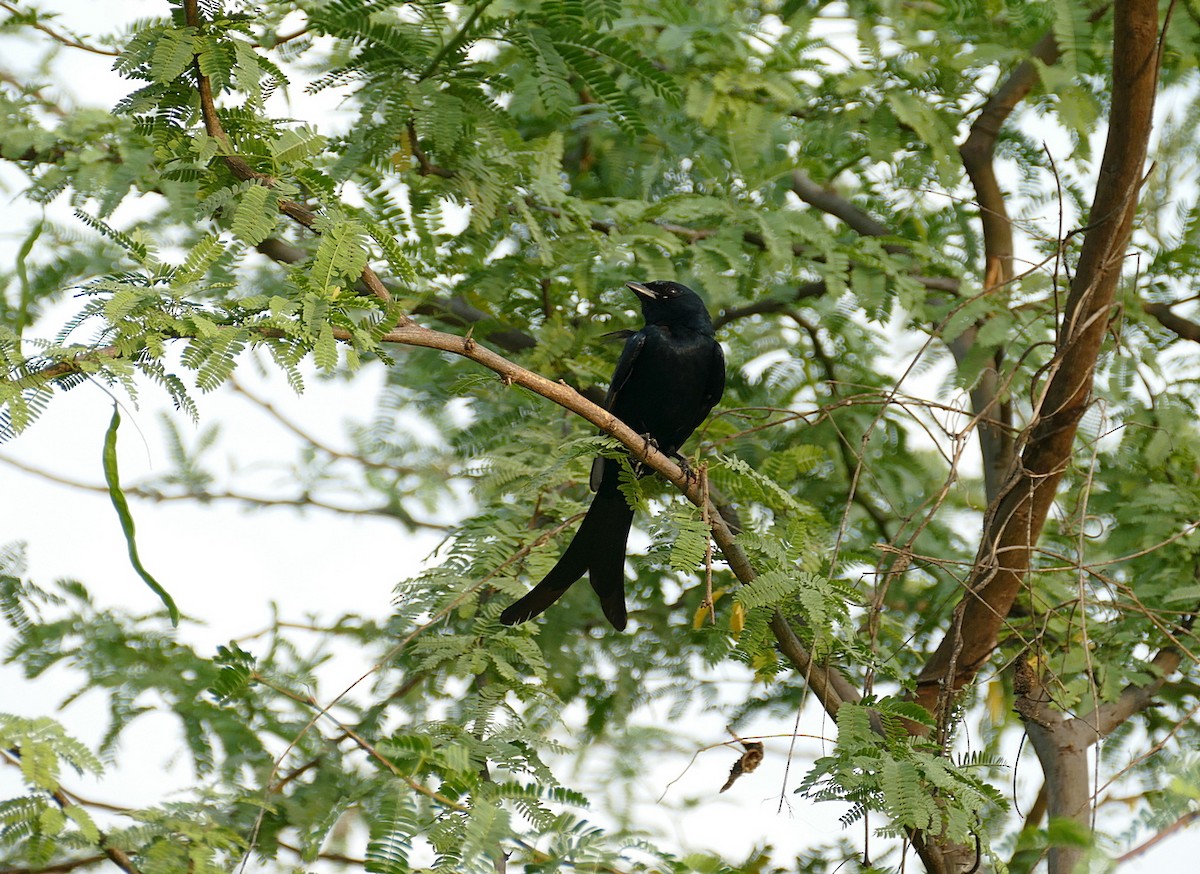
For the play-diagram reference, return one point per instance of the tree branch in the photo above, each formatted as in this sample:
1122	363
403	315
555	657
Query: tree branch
452	310
390	511
830	686
978	153
59	867
458	39
837	206
288	425
1062	742
114	854
1015	518
43	101
424	166
1133	699
995	432
1061	746
242	171
1179	824
31	17
1185	329
769	305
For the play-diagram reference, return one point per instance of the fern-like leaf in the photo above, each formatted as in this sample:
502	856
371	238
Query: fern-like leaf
340	256
256	214
691	540
204	253
233	678
391	827
295	145
130	245
173	53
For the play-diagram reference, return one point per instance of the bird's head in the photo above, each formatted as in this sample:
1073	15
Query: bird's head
671	303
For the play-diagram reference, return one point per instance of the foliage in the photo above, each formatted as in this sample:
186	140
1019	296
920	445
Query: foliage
877	767
505	168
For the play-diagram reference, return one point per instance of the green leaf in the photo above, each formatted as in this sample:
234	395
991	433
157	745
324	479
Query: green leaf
296	144
340	255
391	830
325	351
173	53
121	505
204	253
393	252
236	666
256	214
130	245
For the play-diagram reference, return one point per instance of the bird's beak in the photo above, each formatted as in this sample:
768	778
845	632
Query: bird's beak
639	289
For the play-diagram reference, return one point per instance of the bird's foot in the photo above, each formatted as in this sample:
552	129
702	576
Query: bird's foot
647	442
688	470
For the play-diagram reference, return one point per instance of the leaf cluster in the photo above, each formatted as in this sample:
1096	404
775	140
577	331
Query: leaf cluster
879	768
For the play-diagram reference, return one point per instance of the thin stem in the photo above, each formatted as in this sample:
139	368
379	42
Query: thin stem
55	35
455	41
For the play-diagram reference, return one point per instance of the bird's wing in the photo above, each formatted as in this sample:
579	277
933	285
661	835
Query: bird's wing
633	348
716	376
716	383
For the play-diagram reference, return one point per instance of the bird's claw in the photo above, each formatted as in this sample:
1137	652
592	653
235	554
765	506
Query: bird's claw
648	442
689	472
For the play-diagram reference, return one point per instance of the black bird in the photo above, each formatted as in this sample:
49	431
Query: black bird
669	376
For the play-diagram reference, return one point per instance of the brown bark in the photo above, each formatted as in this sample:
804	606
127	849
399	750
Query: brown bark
978	153
1015	519
1017	514
1186	329
1061	745
1062	741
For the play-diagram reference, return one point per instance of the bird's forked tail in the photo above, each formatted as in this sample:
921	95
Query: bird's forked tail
598	549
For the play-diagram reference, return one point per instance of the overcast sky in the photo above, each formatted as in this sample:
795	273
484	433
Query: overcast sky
315	563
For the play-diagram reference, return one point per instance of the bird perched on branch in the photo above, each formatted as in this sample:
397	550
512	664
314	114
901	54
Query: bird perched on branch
668	378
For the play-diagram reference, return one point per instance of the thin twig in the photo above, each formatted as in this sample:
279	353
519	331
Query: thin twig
708	546
458	39
389	511
114	854
55	35
1143	848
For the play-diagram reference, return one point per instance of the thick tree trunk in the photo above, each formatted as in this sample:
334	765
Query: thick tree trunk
1061	744
1017	513
1065	764
1014	520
